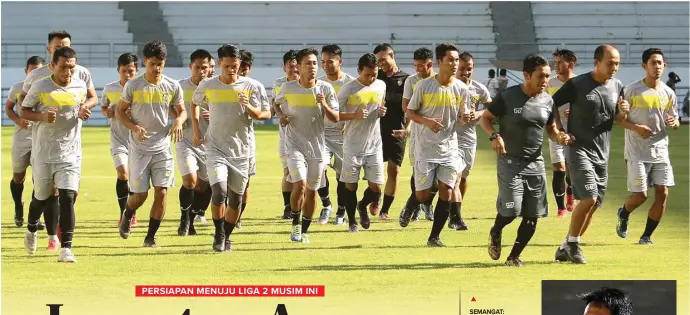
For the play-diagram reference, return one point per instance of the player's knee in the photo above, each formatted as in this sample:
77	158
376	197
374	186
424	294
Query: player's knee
234	200
641	196
376	188
393	170
558	167
661	192
189	181
351	186
589	202
200	186
299	185
122	173
530	221
18	178
67	196
219	193
159	193
422	196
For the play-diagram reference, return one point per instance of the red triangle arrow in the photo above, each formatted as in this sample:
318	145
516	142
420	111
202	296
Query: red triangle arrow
473	299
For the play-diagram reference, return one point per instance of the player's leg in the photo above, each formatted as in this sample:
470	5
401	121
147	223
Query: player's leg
467	155
188	164
508	206
43	190
323	190
122	183
139	179
162	178
51	214
447	175
585	190
637	186
424	174
558	180
534	206
218	179
297	166
373	171
350	176
314	172
202	195
569	197
238	178
601	178
67	182
661	176
245	196
341	188
393	154
286	187
21	161
455	203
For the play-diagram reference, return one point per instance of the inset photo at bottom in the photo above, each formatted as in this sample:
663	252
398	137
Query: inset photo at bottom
608	297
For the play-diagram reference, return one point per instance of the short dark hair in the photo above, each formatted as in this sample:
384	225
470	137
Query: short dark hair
332	49
466	56
502	72
617	301
367	60
532	62
442	48
64	52
289	55
200	54
61	34
247	57
382	47
492	73
650	52
128	58
155	49
35	61
566	54
306	52
228	51
423	54
599	52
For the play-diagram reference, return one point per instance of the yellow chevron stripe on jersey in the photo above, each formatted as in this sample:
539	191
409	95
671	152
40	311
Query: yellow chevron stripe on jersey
552	90
651	101
225	96
187	96
364	98
441	100
306	100
150	97
113	97
55	99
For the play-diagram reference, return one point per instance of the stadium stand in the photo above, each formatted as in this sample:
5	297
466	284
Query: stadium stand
631	26
266	29
96	28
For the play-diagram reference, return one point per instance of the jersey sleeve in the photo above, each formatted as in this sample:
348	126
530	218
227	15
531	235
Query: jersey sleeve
407	89
199	95
498	106
552	114
279	99
263	98
105	102
343	96
255	97
128	92
331	98
564	95
672	108
86	77
485	96
12	94
178	95
32	98
28	81
416	100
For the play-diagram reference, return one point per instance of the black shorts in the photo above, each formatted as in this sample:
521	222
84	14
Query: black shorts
393	149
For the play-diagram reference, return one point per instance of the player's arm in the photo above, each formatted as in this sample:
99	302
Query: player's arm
199	97
177	104
9	109
29	105
564	95
105	105
671	113
485	99
551	129
407	95
329	103
494	111
91	98
253	104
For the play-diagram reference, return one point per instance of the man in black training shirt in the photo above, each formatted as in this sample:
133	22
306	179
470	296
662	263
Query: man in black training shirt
523	112
595	102
392	125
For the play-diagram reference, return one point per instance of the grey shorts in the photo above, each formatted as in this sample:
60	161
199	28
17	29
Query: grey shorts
372	165
281	147
150	169
641	175
557	152
334	151
21	158
120	159
467	155
191	159
521	195
252	166
425	173
64	175
588	178
234	172
301	168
